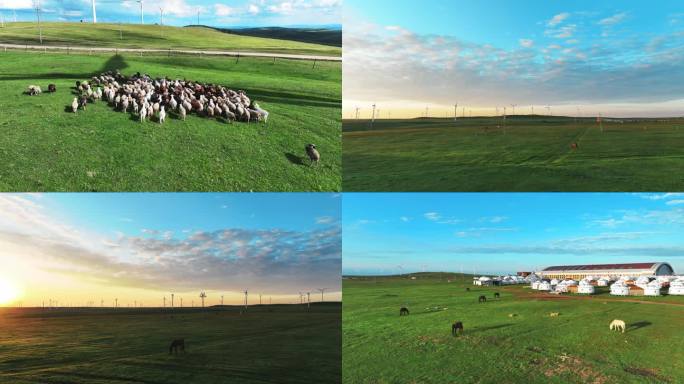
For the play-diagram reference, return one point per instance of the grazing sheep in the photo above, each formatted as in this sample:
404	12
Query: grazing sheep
512	315
74	105
618	324
482	299
136	108
456	327
143	114
182	111
162	115
403	311
262	112
177	345
313	154
33	90
52	88
124	104
554	314
82	102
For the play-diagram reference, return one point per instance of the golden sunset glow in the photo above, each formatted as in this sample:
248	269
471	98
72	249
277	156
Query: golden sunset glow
9	291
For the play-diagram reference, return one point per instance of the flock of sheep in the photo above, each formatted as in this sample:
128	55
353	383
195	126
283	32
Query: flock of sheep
154	98
150	98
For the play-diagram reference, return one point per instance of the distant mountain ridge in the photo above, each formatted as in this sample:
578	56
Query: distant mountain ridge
324	35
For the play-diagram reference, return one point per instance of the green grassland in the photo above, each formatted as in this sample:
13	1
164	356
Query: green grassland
531	154
152	37
269	344
379	346
43	147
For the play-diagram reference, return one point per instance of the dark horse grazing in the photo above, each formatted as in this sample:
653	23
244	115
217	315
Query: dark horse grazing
482	299
403	311
467	289
496	295
176	345
455	327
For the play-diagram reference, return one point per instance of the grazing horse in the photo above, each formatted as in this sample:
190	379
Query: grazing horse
467	289
482	299
617	324
176	345
403	311
455	327
574	146
496	295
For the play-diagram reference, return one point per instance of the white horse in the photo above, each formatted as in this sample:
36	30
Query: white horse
617	324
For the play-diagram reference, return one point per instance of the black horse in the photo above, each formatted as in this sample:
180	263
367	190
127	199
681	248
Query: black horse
467	289
177	345
496	295
403	311
482	299
455	327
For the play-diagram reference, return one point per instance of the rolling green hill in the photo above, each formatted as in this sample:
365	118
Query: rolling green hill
331	37
508	340
152	37
44	147
530	154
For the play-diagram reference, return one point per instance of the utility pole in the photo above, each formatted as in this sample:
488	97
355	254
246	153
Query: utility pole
40	27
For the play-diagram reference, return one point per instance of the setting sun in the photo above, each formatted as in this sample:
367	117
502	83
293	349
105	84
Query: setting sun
9	291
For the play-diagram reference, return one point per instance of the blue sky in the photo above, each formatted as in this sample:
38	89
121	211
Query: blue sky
622	58
504	233
183	12
71	245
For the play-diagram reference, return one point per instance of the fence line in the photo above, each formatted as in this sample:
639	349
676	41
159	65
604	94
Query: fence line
169	51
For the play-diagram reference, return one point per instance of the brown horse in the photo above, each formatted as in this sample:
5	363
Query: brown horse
403	311
574	146
455	327
482	299
176	345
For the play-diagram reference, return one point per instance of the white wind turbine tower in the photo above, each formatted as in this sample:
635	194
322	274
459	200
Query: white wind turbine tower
164	301
221	300
373	115
260	299
203	296
455	111
246	293
161	16
357	113
301	298
172	300
321	290
308	299
513	109
40	27
142	13
548	110
94	13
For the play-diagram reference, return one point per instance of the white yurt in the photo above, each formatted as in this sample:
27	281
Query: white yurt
642	281
544	286
590	278
619	288
676	287
484	280
554	282
570	283
535	285
562	288
585	287
652	288
532	278
626	278
602	282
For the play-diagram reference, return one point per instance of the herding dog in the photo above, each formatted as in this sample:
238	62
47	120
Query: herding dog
455	327
176	345
403	311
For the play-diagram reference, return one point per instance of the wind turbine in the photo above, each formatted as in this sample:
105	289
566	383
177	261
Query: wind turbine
116	303
321	290
246	293
161	16
164	301
172	300
202	296
548	110
513	106
455	111
308	299
181	302
221	300
40	27
357	113
260	299
94	13
142	13
301	298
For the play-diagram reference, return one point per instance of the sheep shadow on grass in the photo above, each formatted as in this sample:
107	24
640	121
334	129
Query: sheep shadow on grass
638	325
294	159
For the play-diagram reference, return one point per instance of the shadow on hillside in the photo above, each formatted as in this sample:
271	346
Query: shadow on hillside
489	328
115	62
292	98
639	325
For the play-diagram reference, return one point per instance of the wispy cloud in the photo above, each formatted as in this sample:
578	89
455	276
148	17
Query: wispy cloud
557	19
615	19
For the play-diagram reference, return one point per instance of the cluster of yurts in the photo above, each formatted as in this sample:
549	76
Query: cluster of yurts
623	286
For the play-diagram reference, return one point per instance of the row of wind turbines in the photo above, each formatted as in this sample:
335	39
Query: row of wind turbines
52	303
499	111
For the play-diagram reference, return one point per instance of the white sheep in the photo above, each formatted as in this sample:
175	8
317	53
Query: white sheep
74	105
162	115
143	113
182	112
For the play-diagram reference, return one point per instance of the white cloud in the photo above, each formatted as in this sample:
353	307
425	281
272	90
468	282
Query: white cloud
615	19
527	43
253	9
433	216
405	219
16	4
675	202
325	220
558	19
223	10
